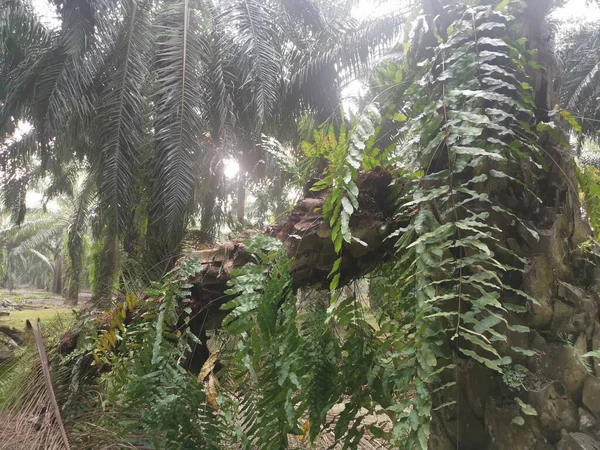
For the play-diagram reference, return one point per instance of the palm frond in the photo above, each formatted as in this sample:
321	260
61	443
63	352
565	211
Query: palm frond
182	51
11	233
319	74
50	85
43	258
86	22
20	29
14	193
30	402
120	109
578	57
50	233
254	37
308	12
17	153
220	89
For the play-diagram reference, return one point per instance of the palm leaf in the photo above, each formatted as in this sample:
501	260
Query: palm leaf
319	73
253	36
30	403
182	51
14	193
579	82
41	237
43	258
220	89
20	31
119	121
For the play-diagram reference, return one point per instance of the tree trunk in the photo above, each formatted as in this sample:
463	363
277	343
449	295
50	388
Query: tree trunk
57	281
75	256
561	384
72	297
307	238
241	198
106	270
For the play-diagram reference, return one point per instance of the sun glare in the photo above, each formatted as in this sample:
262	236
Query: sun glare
231	167
578	11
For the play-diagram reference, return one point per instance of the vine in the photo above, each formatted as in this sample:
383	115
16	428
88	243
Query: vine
469	128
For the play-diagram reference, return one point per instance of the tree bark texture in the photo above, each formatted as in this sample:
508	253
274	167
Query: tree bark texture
72	297
107	267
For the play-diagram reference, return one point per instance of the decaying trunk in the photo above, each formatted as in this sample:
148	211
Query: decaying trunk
307	238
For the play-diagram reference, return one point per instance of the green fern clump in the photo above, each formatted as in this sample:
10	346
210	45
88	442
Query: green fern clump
264	365
153	401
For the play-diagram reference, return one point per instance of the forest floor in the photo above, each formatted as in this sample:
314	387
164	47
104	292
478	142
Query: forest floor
26	303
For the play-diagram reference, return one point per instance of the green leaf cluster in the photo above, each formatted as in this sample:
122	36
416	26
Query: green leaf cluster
344	154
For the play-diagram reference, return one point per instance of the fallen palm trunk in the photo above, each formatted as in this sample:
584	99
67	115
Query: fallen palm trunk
307	239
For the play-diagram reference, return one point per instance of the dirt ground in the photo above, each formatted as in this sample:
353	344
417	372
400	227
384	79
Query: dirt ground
25	303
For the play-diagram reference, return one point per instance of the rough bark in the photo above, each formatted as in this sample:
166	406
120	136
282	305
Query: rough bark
565	394
74	277
72	297
107	270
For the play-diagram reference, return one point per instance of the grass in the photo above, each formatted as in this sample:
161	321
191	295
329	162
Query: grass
35	304
17	318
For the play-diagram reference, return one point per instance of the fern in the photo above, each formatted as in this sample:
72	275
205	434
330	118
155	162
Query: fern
447	284
449	259
344	154
155	402
266	358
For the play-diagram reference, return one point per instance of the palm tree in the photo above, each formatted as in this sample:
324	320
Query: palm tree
154	94
30	251
47	241
578	57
